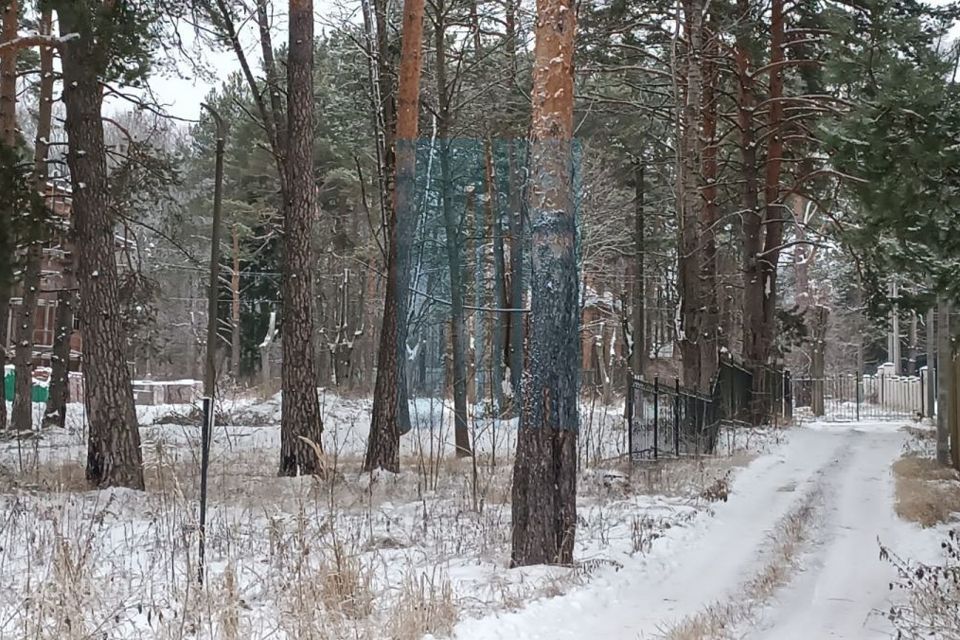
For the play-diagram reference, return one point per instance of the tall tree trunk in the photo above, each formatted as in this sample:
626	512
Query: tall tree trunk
235	308
113	448
751	225
8	139
515	219
912	348
709	174
300	421
545	471
698	342
390	410
454	245
55	414
762	236
638	346
500	318
944	374
36	236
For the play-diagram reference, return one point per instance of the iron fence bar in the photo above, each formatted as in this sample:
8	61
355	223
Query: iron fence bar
656	417
630	392
676	419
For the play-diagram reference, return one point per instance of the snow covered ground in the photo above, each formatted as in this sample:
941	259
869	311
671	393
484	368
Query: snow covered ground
425	552
837	585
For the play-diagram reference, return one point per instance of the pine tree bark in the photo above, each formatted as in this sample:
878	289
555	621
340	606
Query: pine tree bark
762	231
8	139
22	414
390	410
545	470
113	448
300	422
752	221
696	261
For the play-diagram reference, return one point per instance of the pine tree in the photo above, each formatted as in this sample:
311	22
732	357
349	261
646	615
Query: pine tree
104	33
545	470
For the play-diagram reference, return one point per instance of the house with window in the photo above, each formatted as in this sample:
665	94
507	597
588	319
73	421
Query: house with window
56	274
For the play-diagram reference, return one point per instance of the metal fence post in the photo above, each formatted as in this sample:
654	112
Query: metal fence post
858	382
676	419
205	433
923	398
656	417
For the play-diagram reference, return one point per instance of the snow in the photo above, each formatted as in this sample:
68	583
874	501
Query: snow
650	550
839	588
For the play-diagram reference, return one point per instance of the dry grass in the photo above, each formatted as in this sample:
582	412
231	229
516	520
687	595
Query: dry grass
926	492
425	605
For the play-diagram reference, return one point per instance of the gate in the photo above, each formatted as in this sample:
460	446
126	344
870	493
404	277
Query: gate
848	397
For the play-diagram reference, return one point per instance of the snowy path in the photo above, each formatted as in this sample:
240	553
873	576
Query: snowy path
841	579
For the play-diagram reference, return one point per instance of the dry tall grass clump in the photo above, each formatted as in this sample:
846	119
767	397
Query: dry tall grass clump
425	605
346	584
926	492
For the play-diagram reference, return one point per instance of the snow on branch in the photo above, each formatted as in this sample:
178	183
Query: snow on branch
36	40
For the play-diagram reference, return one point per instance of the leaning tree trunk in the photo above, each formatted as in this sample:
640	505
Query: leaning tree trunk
8	139
389	400
113	448
22	416
545	471
300	421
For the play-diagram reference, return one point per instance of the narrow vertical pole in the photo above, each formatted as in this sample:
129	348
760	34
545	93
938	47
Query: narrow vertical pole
931	365
210	376
857	383
676	419
205	432
630	385
923	406
656	417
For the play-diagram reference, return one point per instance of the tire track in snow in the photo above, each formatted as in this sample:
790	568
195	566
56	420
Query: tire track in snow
788	542
690	567
843	584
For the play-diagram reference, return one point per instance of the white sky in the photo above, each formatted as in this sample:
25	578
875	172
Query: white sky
181	97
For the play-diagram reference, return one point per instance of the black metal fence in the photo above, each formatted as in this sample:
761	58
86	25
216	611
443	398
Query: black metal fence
849	397
664	419
738	400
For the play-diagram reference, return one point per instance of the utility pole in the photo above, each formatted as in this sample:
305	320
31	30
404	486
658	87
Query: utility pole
210	375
